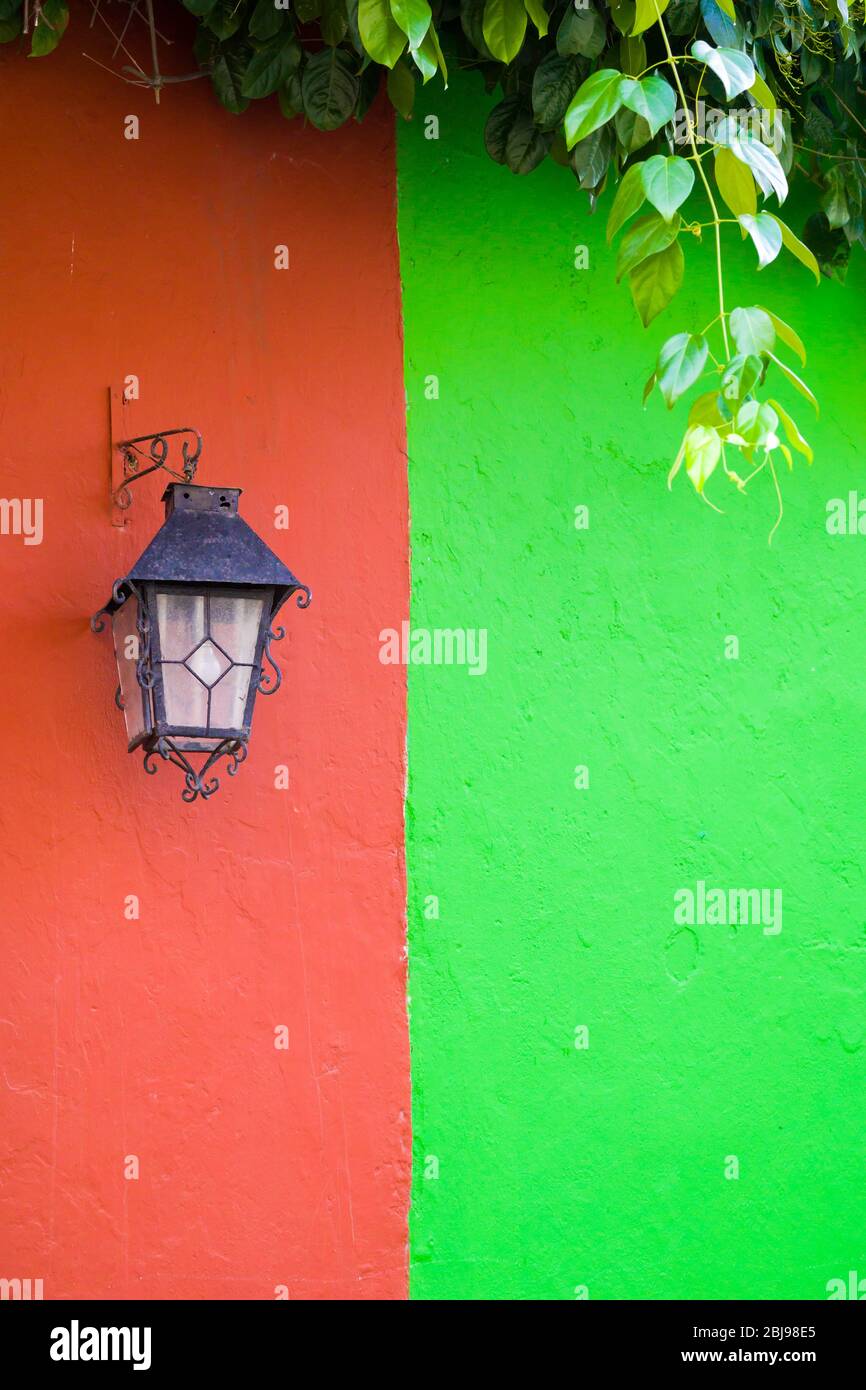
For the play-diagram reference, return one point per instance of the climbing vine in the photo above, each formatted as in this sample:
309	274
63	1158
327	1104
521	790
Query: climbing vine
698	112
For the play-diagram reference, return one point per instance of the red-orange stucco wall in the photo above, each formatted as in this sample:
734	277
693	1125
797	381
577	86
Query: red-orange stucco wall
156	1037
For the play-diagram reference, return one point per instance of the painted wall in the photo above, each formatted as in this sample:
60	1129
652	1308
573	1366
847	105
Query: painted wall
541	1168
155	1037
536	909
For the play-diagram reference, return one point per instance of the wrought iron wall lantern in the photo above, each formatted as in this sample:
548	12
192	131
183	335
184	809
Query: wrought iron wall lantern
193	623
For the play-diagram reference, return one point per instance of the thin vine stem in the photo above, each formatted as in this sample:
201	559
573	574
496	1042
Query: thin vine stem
823	154
781	511
704	180
847	108
660	63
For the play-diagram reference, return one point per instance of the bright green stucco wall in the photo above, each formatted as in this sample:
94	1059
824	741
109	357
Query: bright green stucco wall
605	1167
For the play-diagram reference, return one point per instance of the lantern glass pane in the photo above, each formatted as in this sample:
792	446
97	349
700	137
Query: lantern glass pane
208	646
185	697
181	619
228	699
234	625
126	650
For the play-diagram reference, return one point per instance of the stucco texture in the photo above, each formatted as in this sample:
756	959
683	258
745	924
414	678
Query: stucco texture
263	1172
545	1169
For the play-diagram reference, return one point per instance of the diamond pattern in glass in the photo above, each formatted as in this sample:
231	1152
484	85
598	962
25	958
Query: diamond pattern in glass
208	663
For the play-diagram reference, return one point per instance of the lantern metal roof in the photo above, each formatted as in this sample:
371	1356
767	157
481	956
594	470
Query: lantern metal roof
204	540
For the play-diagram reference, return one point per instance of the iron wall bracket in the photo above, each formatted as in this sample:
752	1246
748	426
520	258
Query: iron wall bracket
136	458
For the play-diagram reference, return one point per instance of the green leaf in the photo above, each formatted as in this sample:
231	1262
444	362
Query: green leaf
538	14
834	199
471	22
721	27
289	97
581	31
782	123
53	19
425	60
652	98
818	129
752	330
227	74
740	376
647	13
705	410
265	21
796	382
270	67
681	361
428	57
433	39
655	281
735	70
668	180
353	31
224	18
504	28
761	94
334	22
629	198
498	125
568	34
526	145
414	18
591	156
797	248
369	82
200	8
792	431
703	451
622	13
735	183
632	130
511	137
381	35
854	187
329	88
645	237
787	334
632	55
596	100
677	463
765	233
829	245
555	82
756	424
683	16
759	158
401	89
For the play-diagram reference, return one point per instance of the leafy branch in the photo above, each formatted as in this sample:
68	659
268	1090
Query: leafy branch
668	100
731	414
